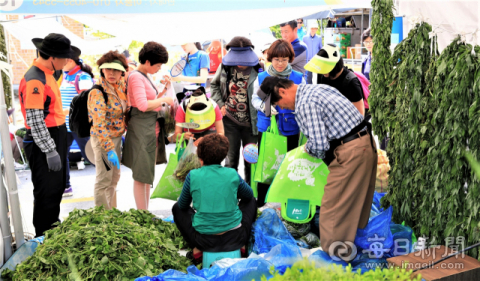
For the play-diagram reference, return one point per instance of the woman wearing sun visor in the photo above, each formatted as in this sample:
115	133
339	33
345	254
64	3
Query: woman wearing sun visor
198	116
330	69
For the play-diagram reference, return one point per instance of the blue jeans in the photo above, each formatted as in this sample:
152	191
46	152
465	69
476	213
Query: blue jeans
81	144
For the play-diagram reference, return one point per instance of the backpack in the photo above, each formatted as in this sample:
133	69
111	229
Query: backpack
78	114
363	81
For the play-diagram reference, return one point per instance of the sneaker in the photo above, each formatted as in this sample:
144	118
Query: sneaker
68	192
80	165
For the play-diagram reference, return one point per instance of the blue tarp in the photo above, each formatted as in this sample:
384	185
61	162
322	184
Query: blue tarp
271	239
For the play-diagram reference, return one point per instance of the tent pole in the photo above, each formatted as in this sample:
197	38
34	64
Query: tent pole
370	18
10	172
4	222
9	61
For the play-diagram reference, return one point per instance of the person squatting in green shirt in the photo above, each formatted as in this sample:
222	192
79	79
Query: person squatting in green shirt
217	222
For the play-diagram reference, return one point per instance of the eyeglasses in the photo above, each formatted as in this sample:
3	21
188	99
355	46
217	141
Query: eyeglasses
367	42
280	61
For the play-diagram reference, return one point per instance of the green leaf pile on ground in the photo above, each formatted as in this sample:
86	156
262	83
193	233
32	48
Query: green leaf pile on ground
99	244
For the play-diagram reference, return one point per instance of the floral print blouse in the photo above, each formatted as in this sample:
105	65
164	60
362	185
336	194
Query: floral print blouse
108	119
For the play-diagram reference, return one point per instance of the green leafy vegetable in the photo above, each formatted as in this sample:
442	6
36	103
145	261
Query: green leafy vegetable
99	244
305	270
187	163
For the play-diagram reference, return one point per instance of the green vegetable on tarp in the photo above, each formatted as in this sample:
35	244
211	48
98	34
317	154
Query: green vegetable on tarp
306	271
99	244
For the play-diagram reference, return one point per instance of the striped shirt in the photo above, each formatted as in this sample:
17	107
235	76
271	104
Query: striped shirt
324	114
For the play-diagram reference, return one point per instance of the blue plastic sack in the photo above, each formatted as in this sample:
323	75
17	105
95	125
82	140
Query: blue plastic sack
269	231
322	258
376	237
302	244
402	239
169	219
248	269
376	200
283	256
365	263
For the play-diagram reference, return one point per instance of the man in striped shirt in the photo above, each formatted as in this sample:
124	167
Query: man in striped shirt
338	134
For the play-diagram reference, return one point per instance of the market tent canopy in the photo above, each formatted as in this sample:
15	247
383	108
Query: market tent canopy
24	31
67	7
180	21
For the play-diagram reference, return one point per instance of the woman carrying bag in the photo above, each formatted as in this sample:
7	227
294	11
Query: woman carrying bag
280	54
143	130
108	126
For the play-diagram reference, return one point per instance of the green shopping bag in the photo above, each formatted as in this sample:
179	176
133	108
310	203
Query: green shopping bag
169	187
180	147
302	139
253	183
299	185
272	151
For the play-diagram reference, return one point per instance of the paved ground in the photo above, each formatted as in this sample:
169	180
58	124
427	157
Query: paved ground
82	182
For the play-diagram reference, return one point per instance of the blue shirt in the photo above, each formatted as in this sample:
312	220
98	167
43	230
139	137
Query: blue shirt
300	33
300	60
196	62
314	44
323	114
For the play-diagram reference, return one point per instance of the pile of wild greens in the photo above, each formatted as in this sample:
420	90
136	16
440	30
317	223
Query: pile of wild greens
306	271
99	244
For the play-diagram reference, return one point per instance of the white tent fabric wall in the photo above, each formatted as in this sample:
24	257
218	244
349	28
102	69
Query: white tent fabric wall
452	17
25	30
178	28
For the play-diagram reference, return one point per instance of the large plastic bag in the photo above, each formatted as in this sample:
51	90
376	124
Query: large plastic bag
283	256
273	148
168	112
402	238
169	187
189	161
269	231
246	269
376	237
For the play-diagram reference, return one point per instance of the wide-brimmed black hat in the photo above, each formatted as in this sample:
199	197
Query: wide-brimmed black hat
57	46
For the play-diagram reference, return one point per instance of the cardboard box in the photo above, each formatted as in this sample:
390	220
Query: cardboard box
457	268
358	52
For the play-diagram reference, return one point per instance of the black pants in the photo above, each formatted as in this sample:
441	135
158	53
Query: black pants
81	142
262	188
48	186
238	137
230	241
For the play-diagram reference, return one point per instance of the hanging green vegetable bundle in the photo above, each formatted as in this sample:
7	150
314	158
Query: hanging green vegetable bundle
406	87
380	104
96	244
472	204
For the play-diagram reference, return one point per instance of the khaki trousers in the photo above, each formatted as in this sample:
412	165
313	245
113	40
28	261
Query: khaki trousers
348	195
106	181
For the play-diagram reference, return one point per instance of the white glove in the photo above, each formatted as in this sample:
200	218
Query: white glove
273	111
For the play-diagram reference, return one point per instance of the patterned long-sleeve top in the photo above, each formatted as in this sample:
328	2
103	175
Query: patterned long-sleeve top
324	114
108	119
